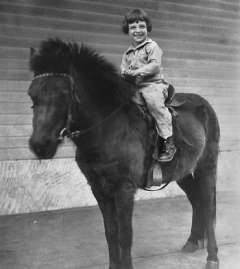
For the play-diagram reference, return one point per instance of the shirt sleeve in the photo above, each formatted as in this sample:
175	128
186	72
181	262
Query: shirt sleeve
154	60
154	53
124	66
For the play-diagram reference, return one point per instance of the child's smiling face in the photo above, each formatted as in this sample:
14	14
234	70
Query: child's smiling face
137	32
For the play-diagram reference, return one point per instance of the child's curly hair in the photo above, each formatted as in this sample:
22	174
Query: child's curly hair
136	15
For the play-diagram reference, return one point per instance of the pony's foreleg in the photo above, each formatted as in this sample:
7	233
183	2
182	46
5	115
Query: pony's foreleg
206	174
124	204
108	209
192	189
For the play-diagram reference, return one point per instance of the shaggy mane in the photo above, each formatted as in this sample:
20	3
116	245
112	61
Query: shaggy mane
98	76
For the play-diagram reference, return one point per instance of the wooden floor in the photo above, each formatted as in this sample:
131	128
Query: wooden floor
74	238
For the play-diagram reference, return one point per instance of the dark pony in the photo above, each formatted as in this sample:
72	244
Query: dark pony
78	93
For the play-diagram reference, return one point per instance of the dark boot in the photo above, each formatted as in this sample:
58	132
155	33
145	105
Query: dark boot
169	150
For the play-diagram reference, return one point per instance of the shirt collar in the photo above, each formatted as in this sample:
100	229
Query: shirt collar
132	48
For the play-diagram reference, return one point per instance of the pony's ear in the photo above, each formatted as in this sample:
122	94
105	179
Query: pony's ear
32	52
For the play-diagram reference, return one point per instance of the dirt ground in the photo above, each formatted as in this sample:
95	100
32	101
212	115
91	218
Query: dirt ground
74	238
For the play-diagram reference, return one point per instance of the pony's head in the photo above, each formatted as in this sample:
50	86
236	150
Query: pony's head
63	71
50	98
50	95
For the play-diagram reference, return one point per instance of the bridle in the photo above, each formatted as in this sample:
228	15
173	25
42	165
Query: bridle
66	131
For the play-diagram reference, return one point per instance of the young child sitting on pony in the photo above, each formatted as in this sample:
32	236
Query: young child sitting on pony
142	62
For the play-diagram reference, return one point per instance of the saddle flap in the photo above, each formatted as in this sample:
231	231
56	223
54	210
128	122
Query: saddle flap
171	100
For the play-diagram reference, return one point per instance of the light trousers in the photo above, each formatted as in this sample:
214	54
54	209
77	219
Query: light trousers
154	95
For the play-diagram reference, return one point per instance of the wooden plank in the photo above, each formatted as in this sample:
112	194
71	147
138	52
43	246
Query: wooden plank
37	32
19	73
172	77
225	115
168	62
15	108
212	95
26	154
13	119
14	97
26	119
228	143
116	50
22	142
26	130
14	142
181	84
200	56
10	85
190	68
196	10
15	130
213	4
16	75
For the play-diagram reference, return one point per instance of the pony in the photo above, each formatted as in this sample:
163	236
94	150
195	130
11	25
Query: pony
77	92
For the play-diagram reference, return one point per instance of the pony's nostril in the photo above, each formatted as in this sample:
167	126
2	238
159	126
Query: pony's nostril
44	148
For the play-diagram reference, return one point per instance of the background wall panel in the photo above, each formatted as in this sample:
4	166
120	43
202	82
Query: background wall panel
200	40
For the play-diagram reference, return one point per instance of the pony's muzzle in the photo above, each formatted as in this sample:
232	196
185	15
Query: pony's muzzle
44	149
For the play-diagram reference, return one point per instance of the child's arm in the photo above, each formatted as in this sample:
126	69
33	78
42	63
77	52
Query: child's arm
154	53
124	68
149	69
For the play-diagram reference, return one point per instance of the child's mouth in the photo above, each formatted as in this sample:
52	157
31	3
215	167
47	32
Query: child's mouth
138	36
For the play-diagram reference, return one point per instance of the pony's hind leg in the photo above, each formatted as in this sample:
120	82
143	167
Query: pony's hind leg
192	189
205	174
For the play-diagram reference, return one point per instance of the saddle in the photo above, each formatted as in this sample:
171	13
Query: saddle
154	175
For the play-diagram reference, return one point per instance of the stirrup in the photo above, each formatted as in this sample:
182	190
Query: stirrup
167	156
156	183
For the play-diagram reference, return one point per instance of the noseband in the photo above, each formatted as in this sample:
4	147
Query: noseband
74	97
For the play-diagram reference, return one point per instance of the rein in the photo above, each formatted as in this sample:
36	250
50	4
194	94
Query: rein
66	130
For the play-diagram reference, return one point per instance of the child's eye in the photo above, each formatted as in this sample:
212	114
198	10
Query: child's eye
132	28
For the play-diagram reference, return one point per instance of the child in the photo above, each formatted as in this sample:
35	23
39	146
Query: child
142	61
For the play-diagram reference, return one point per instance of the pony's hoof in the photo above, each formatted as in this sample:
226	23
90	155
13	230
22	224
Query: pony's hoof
189	247
192	247
212	265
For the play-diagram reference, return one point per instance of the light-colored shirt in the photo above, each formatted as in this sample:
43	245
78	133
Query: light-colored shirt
140	56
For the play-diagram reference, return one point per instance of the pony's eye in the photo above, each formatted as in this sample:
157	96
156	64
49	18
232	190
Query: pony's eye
33	105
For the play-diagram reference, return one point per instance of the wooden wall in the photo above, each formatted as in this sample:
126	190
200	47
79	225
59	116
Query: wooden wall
200	40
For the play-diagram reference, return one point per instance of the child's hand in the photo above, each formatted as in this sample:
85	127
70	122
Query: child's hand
128	76
133	75
138	79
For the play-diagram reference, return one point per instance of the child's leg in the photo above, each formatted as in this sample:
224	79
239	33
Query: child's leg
154	97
